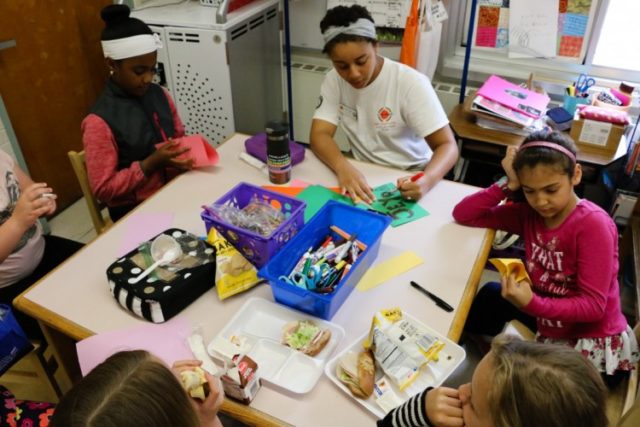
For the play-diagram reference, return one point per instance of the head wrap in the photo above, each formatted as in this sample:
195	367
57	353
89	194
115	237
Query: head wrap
128	47
362	27
552	146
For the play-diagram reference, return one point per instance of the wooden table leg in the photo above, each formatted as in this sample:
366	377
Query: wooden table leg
64	351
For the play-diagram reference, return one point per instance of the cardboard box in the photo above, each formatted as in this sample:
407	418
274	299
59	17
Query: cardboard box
596	137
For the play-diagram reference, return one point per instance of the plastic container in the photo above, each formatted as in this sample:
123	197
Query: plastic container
278	153
571	103
255	247
368	227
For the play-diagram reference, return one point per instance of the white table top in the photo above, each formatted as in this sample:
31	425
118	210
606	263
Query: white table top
78	292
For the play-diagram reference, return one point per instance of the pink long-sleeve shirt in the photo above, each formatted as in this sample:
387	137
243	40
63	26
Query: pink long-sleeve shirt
115	187
573	266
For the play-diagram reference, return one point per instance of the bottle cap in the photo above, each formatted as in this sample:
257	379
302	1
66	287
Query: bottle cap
276	128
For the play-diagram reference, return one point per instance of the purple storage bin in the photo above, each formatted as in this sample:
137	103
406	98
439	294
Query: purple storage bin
257	147
255	247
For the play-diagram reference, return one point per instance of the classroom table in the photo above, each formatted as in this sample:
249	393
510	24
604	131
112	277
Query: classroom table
74	302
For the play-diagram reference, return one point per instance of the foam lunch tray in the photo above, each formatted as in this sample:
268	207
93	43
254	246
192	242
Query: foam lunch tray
433	373
261	322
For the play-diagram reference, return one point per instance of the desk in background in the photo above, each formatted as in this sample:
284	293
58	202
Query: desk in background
486	147
73	302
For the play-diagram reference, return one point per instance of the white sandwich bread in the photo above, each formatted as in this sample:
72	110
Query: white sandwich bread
357	371
195	382
305	336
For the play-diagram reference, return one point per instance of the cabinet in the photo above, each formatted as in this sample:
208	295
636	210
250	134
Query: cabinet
224	78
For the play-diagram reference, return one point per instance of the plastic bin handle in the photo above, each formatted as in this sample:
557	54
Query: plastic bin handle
221	14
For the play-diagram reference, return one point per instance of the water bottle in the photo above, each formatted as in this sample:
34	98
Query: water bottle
278	153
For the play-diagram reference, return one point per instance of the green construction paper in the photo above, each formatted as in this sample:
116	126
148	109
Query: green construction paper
390	201
316	196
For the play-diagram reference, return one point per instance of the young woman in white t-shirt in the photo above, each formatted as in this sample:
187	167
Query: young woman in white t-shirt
389	111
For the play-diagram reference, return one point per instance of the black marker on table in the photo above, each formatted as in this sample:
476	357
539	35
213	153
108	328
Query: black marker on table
439	301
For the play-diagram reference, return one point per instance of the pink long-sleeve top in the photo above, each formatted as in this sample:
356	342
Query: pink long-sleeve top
573	266
128	186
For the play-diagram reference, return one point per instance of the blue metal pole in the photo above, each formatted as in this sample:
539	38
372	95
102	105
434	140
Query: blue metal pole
467	52
287	54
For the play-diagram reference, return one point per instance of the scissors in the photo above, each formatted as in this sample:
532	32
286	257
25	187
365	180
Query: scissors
584	83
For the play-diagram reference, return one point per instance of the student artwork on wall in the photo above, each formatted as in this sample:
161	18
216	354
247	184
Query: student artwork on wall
524	28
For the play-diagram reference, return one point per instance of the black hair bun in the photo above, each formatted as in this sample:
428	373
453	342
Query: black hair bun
115	14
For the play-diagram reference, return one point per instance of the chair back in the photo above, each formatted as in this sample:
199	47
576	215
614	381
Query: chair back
95	208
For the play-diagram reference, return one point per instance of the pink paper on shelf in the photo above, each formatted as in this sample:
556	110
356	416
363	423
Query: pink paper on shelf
167	341
142	227
517	98
200	151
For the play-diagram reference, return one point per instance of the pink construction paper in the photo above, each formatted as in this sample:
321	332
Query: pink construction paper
168	341
200	151
142	227
298	183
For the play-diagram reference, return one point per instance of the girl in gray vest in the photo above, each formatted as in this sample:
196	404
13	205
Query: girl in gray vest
131	116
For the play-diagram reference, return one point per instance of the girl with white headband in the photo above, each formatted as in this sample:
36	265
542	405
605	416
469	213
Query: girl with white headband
389	111
129	118
571	295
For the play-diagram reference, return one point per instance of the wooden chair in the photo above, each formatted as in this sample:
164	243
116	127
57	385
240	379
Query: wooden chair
32	377
623	402
95	208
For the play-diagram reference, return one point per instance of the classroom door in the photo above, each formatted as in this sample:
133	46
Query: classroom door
48	81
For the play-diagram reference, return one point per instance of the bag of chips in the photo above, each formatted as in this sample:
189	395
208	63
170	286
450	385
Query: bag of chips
234	274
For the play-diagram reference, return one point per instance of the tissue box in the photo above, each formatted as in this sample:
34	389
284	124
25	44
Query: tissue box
596	137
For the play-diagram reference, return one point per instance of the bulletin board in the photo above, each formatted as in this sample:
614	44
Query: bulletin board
502	25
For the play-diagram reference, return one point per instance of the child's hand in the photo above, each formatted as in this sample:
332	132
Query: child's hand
35	201
517	293
411	190
207	410
507	164
444	408
353	182
167	156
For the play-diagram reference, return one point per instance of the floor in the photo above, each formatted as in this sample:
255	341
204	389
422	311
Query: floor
74	223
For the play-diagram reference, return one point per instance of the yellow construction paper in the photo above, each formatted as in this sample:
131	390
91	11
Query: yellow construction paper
507	266
389	269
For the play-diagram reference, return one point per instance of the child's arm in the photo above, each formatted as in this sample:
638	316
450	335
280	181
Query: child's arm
596	263
101	157
30	206
482	209
434	407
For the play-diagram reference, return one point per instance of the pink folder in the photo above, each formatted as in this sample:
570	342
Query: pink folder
200	151
517	98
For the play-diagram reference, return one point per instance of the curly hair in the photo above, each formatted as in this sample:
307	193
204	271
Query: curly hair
548	156
342	16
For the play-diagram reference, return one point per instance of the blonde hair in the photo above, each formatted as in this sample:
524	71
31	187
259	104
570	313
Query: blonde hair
537	384
130	388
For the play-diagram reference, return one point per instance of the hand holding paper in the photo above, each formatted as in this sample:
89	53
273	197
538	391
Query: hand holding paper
199	150
516	284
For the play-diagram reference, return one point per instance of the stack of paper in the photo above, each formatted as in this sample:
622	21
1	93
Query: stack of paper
504	106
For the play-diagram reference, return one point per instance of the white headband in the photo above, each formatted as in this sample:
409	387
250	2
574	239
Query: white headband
362	27
129	47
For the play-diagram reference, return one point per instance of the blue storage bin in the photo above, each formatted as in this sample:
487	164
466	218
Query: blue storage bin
368	227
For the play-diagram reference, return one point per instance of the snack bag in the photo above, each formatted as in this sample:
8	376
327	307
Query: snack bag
234	274
400	346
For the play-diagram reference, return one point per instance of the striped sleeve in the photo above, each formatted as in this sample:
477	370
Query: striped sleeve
412	413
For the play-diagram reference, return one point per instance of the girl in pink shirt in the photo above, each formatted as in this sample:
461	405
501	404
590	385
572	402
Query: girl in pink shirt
571	254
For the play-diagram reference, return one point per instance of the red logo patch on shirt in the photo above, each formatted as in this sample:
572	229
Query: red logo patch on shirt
384	114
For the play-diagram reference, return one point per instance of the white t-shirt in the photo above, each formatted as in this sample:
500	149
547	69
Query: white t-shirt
387	121
28	252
